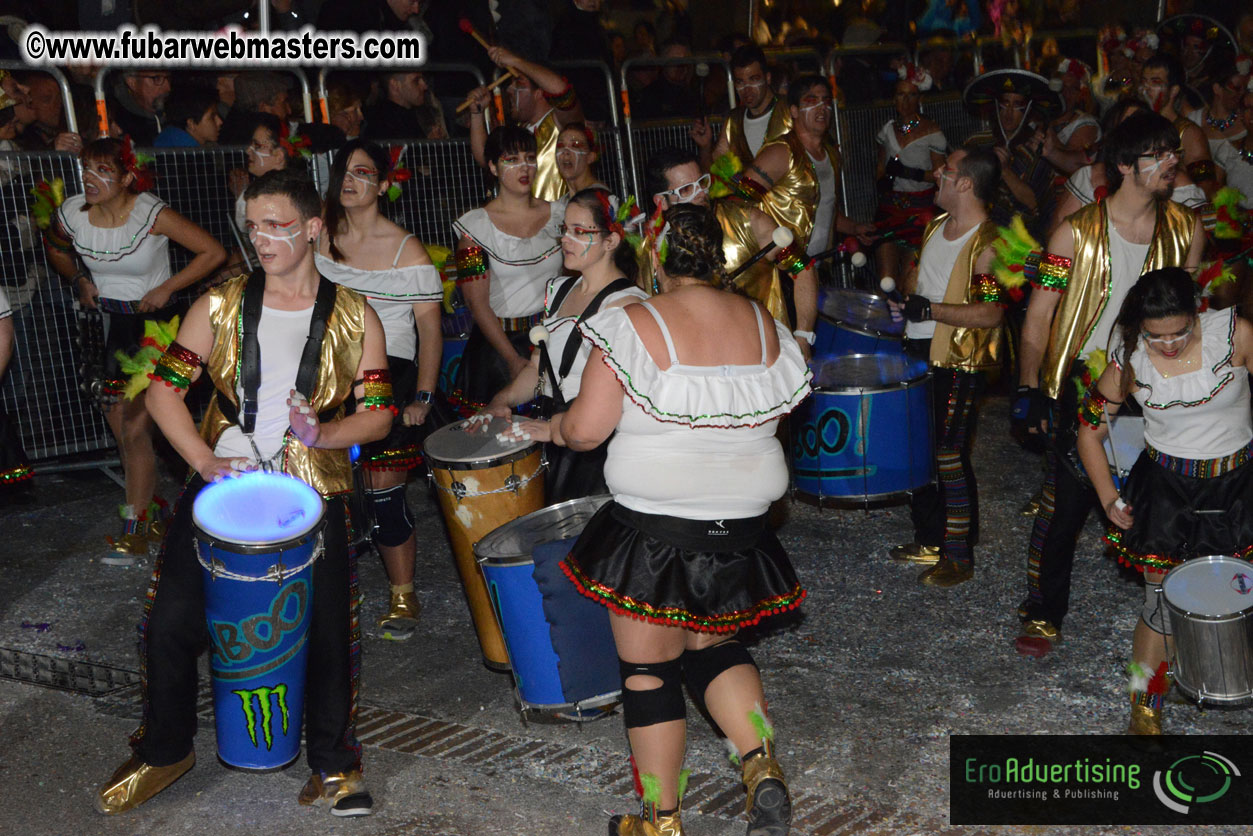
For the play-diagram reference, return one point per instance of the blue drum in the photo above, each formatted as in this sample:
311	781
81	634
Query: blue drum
865	433
256	538
855	322
456	327
560	646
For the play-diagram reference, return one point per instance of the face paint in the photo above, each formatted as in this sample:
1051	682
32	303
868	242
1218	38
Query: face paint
816	106
366	181
291	231
1154	95
106	182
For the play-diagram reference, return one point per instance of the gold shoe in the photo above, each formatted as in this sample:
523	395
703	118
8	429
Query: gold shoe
1145	720
637	826
402	616
1041	629
916	553
135	782
947	573
769	806
1031	507
343	792
132	544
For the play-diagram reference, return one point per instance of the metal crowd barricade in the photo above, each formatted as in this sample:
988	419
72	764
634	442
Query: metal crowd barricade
796	56
431	68
643	139
67	99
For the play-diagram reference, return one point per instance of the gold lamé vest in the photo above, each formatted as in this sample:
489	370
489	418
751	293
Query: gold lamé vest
328	471
761	281
548	184
793	200
733	129
955	346
1087	292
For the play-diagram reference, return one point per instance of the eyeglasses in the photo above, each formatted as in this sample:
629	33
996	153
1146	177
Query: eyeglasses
1165	342
1161	155
688	191
514	162
575	231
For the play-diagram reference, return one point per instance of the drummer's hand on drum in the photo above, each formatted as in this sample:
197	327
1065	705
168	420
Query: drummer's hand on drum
530	430
303	420
1119	513
215	468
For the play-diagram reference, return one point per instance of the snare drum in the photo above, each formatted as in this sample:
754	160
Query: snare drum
1210	601
865	433
256	538
856	322
560	644
483	483
1123	446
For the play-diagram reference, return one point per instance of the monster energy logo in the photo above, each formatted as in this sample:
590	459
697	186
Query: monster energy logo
263	695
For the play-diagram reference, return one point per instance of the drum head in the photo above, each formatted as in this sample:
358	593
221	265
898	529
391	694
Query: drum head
515	540
867	371
1210	586
258	509
453	445
861	311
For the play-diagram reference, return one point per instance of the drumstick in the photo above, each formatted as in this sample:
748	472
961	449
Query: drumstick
781	237
468	27
508	74
539	338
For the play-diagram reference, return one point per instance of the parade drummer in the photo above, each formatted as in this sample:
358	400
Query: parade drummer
1091	262
673	177
1189	492
363	250
273	313
955	307
690	383
759	117
1021	102
577	155
1161	86
911	148
14	467
604	275
113	241
539	100
507	252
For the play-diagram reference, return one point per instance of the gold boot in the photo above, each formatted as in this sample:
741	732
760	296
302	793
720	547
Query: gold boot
916	553
1145	720
769	806
132	544
636	826
344	792
135	782
402	614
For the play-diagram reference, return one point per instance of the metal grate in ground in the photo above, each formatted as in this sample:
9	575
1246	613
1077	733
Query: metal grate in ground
87	678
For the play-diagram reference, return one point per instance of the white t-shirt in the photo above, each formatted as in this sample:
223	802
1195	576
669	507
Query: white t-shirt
1079	184
1126	266
934	270
519	268
820	238
755	130
1239	171
6	310
281	337
916	154
125	262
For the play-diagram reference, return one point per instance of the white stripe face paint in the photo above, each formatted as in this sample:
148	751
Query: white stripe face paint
365	181
105	182
290	231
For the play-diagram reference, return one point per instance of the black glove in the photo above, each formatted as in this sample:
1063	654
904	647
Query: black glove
917	308
1030	407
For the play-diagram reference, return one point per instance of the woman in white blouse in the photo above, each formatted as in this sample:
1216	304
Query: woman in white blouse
507	252
385	263
691	383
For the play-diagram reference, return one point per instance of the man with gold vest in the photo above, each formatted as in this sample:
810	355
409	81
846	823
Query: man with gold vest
673	175
1093	259
797	176
760	116
955	308
265	329
539	100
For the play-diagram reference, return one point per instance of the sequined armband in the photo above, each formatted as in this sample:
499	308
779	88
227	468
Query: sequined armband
378	390
1092	408
985	288
565	100
176	367
471	264
1202	170
748	188
792	259
56	238
1053	273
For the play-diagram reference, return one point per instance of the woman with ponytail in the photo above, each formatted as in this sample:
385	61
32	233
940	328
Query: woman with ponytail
594	248
691	384
1191	490
112	242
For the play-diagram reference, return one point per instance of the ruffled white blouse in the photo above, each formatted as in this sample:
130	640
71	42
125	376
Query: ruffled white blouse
519	268
127	261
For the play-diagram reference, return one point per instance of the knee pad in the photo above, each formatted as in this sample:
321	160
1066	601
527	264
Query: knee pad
701	667
1154	611
391	516
654	705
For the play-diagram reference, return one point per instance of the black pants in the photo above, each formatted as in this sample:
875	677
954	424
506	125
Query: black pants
173	635
946	514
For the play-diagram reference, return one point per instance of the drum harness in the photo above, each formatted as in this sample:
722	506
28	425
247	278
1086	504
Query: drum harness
571	350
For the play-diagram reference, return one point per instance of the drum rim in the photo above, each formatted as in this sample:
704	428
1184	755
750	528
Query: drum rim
873	332
478	463
1206	617
275	547
598	701
865	390
258	546
504	561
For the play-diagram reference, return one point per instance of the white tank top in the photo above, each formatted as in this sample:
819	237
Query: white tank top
934	271
755	130
820	238
281	337
1126	266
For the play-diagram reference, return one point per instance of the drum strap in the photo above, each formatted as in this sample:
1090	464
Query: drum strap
572	345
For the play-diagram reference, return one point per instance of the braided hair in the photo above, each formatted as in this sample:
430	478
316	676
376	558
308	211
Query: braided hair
693	241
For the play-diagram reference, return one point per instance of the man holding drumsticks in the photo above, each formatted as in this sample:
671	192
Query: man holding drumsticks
250	335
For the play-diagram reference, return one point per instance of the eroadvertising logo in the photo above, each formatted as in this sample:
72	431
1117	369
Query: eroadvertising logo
1103	779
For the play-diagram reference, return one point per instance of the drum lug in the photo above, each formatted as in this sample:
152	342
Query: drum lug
277	572
459	490
216	568
513	483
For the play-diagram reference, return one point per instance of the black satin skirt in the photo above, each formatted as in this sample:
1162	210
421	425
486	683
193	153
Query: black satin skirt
712	576
1178	517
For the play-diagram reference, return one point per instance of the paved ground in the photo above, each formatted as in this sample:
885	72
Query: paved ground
866	686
